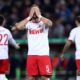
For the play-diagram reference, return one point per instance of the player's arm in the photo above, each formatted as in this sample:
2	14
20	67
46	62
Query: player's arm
21	24
66	47
12	41
70	40
46	21
14	44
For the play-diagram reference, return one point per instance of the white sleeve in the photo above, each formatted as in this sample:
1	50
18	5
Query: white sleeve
11	40
72	36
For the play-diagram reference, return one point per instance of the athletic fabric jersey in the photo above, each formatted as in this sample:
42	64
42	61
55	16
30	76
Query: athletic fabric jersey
75	37
5	36
37	38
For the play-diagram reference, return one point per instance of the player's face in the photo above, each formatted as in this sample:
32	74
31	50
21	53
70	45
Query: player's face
34	16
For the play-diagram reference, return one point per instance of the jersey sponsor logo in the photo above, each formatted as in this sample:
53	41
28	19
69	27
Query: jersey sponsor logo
36	31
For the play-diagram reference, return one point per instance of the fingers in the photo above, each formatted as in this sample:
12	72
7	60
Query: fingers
35	6
35	9
14	28
31	12
62	57
18	46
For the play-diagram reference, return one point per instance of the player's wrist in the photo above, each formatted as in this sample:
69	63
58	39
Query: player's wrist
17	47
28	18
39	16
16	28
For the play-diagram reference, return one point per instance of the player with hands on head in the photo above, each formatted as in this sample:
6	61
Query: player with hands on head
38	60
34	12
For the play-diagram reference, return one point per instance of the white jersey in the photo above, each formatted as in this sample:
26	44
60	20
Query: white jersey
37	38
5	37
75	37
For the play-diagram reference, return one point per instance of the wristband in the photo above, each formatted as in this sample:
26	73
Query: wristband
28	18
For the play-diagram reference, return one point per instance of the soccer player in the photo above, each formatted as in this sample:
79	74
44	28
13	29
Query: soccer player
5	39
74	37
38	60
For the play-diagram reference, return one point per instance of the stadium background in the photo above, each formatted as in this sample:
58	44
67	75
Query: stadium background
62	13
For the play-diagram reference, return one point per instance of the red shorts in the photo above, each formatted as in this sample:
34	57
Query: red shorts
4	66
38	65
78	64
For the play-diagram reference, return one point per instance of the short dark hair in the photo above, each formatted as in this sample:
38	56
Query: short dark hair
78	19
1	19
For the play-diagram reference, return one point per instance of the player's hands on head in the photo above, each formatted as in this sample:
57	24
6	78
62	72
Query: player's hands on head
35	9
31	12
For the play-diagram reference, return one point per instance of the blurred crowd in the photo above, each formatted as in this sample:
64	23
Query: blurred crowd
61	12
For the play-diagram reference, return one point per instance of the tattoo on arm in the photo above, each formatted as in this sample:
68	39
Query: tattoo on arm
46	21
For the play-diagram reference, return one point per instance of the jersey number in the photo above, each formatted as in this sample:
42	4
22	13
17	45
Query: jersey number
3	39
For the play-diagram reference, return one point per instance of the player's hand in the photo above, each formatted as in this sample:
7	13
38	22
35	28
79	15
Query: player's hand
62	57
37	11
17	46
14	28
31	12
